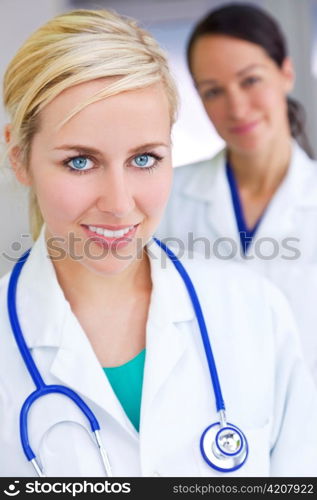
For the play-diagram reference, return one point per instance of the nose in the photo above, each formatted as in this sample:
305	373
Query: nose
238	104
115	194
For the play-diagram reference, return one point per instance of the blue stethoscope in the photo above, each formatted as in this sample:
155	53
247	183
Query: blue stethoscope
223	446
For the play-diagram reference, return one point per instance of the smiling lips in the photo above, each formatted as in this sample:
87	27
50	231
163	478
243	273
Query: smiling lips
117	236
244	128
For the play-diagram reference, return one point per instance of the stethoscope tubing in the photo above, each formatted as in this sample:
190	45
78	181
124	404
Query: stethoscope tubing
201	323
43	389
16	328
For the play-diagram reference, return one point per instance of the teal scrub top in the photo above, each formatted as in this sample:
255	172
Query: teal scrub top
126	381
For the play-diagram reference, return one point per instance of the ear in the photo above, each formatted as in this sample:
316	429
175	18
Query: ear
15	158
288	74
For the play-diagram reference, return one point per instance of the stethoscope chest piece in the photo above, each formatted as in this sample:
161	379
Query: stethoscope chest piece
224	448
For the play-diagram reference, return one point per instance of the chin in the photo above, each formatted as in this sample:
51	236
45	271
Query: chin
108	266
249	146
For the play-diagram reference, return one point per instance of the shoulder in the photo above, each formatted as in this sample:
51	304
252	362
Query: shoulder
303	174
239	300
302	163
229	279
235	285
185	174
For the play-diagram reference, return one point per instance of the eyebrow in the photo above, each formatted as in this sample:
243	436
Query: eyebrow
79	148
241	72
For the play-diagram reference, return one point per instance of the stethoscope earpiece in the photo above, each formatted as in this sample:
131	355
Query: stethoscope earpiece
224	448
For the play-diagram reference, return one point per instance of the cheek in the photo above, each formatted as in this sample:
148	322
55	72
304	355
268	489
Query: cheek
271	100
60	197
152	195
217	113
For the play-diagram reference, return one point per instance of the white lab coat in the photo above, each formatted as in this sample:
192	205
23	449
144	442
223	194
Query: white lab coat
201	203
265	384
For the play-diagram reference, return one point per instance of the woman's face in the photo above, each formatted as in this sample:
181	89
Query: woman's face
243	91
103	178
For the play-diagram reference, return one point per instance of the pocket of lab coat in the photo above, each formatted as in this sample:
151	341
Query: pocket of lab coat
258	460
68	448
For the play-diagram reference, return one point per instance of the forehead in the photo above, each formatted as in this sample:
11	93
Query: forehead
218	53
77	96
148	107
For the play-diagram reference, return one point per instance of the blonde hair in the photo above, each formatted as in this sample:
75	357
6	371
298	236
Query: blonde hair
72	48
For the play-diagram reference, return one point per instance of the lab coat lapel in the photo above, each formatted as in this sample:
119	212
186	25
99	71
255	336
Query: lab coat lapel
165	342
211	187
220	212
165	347
279	219
76	366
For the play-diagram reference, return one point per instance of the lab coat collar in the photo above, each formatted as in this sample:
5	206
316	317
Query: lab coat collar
210	173
301	172
38	286
75	363
209	185
170	302
296	183
297	191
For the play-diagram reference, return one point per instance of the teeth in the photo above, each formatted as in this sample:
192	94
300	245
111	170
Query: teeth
110	234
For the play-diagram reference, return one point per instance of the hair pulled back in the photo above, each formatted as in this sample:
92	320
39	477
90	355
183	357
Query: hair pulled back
253	24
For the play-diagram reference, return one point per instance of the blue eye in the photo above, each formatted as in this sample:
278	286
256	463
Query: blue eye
79	163
144	161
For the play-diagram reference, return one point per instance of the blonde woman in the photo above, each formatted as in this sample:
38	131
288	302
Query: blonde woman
106	366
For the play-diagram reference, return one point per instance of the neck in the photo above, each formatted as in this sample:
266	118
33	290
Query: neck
82	285
264	170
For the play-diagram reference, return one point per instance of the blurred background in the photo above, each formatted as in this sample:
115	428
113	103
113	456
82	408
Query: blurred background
170	21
